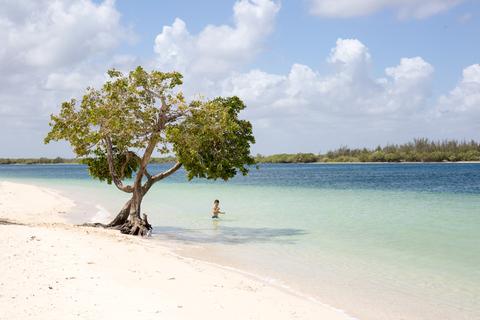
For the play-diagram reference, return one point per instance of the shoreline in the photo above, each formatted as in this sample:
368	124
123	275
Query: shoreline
402	162
273	282
42	219
260	163
377	162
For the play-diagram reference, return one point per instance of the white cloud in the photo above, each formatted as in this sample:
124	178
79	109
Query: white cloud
217	50
43	40
405	8
348	104
51	50
465	97
56	33
349	90
305	109
410	85
349	53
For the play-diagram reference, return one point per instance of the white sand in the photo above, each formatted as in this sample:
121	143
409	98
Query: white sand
32	204
58	271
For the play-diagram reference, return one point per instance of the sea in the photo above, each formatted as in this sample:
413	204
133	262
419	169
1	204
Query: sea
376	241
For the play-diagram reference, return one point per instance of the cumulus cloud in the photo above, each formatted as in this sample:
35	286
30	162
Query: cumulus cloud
346	105
51	50
349	90
349	98
56	33
217	50
465	97
43	40
405	8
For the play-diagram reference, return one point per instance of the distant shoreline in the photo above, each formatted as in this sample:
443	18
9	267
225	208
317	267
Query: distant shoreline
314	162
401	162
420	150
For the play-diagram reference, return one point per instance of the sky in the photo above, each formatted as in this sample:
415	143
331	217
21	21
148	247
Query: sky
315	74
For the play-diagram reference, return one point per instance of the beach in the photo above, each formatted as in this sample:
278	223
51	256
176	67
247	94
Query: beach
55	270
376	242
245	169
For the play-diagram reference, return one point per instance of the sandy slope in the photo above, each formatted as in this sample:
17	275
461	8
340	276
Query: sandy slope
58	271
32	204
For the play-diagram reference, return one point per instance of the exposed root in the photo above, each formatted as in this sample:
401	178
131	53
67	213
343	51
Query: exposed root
122	216
95	225
137	227
134	226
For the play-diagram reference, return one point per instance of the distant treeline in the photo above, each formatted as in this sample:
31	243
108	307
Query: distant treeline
419	150
59	160
37	160
162	160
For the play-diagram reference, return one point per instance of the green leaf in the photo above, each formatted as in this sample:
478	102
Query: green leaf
142	109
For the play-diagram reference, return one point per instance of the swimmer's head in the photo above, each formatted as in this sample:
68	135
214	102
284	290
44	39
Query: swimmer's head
216	202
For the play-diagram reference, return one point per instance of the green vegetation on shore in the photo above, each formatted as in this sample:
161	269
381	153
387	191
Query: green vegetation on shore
42	160
419	150
59	160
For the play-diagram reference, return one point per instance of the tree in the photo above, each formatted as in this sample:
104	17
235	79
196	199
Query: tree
116	129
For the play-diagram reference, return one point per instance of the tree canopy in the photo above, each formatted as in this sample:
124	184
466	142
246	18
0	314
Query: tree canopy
146	111
116	129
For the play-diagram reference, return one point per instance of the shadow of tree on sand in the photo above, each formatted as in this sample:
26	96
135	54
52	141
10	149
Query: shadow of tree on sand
7	222
229	235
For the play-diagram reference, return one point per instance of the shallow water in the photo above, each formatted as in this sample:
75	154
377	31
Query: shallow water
379	241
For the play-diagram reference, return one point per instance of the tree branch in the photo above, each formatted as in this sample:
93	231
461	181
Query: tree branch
147	174
173	115
152	143
111	168
162	120
146	158
159	176
167	173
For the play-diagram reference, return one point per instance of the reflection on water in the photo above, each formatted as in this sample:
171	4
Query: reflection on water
228	235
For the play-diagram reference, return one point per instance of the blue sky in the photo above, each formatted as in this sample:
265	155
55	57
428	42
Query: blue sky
316	74
300	37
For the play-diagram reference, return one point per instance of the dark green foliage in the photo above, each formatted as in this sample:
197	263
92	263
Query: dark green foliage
42	160
143	112
449	150
213	142
59	160
288	158
163	160
124	110
125	165
420	150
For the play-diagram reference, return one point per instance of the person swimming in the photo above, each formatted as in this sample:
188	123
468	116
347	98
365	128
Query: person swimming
216	209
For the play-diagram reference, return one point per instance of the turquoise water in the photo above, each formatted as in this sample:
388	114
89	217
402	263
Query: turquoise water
396	241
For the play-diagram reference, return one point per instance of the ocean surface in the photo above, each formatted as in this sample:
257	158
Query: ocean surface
379	241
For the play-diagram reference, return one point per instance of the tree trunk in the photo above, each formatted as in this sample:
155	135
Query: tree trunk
137	226
122	216
130	220
133	223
